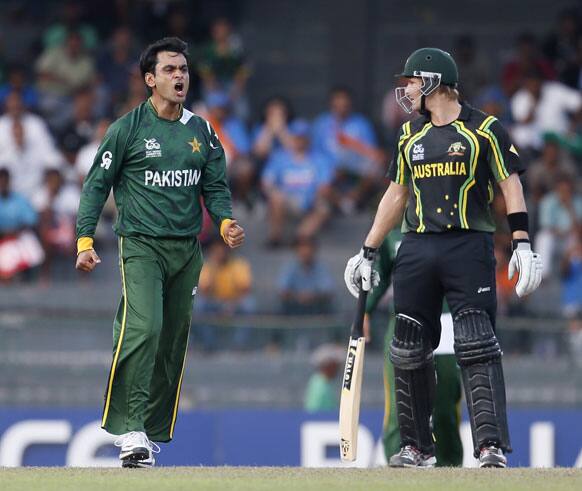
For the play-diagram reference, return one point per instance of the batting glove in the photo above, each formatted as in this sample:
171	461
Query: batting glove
359	272
528	265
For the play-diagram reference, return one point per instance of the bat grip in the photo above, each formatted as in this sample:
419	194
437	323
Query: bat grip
358	324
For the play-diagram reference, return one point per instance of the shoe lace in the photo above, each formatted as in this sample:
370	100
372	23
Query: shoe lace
136	438
408	451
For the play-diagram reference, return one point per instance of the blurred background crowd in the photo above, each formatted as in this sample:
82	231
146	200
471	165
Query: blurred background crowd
305	110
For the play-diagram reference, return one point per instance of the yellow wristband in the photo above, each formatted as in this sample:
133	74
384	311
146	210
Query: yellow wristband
223	225
84	244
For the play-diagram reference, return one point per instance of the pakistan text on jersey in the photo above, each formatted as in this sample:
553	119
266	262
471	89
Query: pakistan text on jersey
439	169
172	178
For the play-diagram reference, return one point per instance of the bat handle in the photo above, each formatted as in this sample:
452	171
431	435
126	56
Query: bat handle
358	324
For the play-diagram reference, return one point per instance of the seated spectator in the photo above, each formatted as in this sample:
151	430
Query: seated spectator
70	18
560	214
322	391
17	82
16	212
225	288
87	152
62	71
57	204
19	248
272	133
223	66
305	283
26	148
347	139
541	107
494	101
526	58
235	140
115	62
79	130
543	172
297	182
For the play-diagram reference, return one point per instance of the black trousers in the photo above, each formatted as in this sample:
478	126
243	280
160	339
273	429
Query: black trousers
459	266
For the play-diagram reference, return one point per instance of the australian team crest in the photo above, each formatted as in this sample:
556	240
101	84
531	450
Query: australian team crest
456	148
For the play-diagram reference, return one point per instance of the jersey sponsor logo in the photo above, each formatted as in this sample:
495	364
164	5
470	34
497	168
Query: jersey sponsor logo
172	178
152	148
456	148
106	159
439	169
484	289
417	151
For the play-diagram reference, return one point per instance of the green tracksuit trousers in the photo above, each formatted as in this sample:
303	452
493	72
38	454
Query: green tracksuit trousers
446	410
150	334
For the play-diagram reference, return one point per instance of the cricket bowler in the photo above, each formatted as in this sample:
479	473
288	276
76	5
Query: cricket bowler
163	162
442	175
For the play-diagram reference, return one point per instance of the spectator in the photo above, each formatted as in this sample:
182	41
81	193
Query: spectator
305	284
561	45
571	75
16	212
540	107
235	140
16	82
136	92
225	288
493	100
70	20
57	204
526	58
87	153
19	248
223	66
322	391
79	130
297	182
26	147
474	67
560	214
115	63
543	172
62	71
347	139
273	132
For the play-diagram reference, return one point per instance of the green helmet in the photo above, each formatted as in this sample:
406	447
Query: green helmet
434	66
432	60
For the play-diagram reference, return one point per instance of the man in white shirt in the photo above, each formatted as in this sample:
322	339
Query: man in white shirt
541	107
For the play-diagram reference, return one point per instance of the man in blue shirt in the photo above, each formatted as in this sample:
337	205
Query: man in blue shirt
16	213
305	284
297	182
348	140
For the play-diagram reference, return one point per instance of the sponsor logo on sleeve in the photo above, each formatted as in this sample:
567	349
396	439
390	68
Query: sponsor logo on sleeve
106	159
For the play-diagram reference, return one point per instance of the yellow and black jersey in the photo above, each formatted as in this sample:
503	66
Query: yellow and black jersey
451	169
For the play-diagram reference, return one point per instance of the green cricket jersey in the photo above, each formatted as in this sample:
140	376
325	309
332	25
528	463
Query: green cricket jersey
159	170
450	171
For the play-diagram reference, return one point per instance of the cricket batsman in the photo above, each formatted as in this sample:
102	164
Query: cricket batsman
442	175
446	411
162	161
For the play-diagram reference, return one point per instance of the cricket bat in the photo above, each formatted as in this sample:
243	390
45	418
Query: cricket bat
349	414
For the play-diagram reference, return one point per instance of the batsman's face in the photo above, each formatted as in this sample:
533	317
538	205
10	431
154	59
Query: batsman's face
171	79
412	90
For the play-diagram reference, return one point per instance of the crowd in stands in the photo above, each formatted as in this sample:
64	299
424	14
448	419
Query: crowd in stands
304	173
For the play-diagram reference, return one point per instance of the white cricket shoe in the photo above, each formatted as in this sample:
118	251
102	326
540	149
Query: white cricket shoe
136	450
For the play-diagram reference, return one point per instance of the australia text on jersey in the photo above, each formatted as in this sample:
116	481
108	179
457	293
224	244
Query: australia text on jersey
439	169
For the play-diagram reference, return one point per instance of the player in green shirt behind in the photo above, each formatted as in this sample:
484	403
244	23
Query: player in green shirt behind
162	161
446	411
